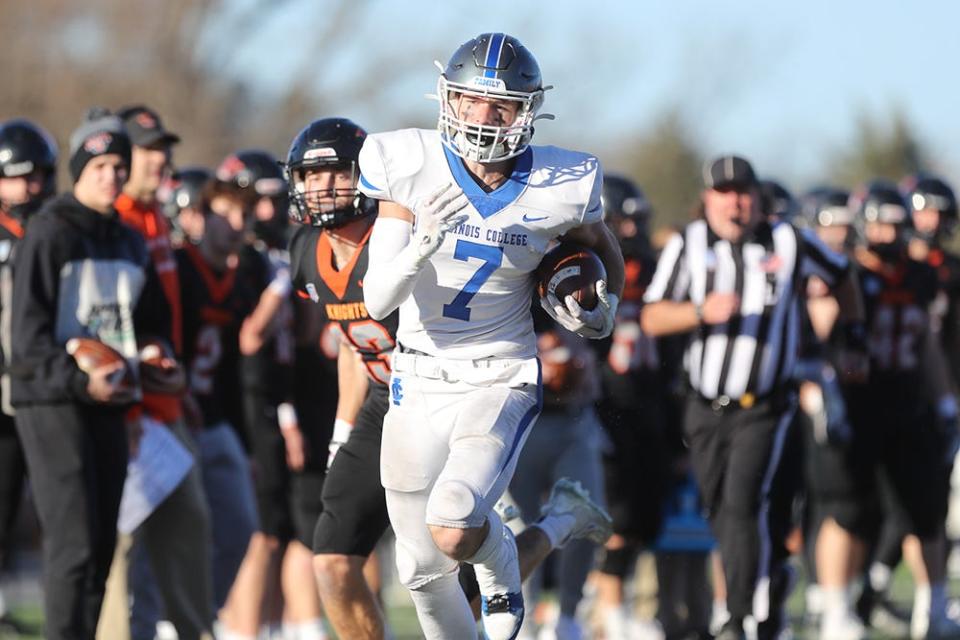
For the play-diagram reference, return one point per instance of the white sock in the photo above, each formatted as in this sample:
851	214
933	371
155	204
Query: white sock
443	610
719	615
880	577
3	605
813	597
920	616
495	562
309	630
833	598
835	601
226	634
615	622
556	528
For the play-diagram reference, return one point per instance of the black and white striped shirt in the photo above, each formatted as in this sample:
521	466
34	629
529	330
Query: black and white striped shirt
756	350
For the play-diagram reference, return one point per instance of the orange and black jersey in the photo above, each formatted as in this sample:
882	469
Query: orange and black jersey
339	293
269	371
315	392
214	305
898	294
632	366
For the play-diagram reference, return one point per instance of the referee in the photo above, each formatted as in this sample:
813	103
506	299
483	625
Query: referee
733	281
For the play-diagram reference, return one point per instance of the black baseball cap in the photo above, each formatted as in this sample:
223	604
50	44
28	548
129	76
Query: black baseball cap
729	171
145	127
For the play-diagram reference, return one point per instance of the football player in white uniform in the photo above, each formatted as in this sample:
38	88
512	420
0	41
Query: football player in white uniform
466	214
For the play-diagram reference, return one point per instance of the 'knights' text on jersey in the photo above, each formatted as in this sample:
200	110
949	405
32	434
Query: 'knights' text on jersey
339	294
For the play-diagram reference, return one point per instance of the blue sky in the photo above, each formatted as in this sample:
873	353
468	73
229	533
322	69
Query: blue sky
781	82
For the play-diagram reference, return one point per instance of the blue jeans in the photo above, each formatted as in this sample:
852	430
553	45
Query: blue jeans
229	487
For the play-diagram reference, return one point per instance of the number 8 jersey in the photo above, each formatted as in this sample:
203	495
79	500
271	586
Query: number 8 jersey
473	298
340	295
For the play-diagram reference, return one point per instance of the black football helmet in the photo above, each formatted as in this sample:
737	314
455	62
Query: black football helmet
24	148
184	190
778	201
492	65
622	198
881	201
333	143
259	170
827	207
627	212
930	192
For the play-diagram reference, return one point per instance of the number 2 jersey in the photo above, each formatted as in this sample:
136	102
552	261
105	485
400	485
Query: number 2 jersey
339	294
214	305
473	299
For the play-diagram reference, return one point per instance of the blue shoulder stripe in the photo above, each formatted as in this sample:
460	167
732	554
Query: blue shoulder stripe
366	184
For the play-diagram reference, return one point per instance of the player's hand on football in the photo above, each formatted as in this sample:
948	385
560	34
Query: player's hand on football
166	377
719	307
296	451
593	323
106	384
440	212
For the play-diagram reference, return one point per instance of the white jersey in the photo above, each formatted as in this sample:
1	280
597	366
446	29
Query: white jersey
473	300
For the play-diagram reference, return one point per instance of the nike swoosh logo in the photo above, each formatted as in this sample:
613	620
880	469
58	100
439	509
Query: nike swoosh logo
527	218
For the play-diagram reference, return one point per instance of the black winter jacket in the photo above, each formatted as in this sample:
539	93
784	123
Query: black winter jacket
78	273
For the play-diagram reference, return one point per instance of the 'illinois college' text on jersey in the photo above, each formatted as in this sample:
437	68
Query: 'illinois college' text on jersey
473	299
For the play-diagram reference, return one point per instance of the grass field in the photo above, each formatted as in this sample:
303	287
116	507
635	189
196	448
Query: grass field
403	619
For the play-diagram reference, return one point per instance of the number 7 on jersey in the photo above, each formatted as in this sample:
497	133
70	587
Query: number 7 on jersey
491	256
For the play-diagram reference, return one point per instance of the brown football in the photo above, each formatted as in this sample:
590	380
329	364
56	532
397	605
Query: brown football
91	353
571	270
153	351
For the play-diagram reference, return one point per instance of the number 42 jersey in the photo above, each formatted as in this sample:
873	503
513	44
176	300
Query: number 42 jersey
340	296
473	298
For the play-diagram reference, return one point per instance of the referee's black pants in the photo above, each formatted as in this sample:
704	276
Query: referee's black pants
745	465
77	461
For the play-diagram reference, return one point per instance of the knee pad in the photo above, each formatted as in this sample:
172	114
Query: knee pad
417	567
616	562
453	503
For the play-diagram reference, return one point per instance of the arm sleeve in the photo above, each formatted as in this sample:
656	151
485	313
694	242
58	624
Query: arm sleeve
817	260
393	267
671	280
41	369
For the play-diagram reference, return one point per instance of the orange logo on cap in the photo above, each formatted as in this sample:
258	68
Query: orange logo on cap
230	167
97	143
146	120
